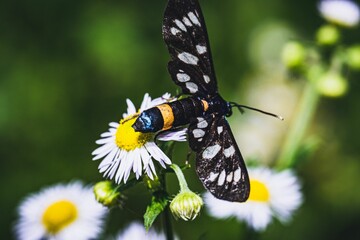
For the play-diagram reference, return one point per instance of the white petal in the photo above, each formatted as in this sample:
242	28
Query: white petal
160	100
109	158
179	135
120	173
115	164
131	107
129	165
137	162
106	134
156	152
88	225
104	140
149	173
343	12
136	231
152	167
145	157
103	150
145	103
114	125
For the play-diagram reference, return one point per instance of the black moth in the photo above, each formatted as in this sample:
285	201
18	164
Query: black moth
219	163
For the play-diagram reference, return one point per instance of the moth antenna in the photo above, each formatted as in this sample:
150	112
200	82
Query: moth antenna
240	107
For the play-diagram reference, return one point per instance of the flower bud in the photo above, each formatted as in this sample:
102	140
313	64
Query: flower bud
106	193
327	35
186	205
152	184
332	85
353	57
293	54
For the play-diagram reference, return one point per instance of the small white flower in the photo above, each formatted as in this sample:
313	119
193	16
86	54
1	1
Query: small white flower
136	231
343	12
61	212
125	150
271	194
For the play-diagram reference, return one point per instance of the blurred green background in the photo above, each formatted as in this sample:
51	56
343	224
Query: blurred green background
66	68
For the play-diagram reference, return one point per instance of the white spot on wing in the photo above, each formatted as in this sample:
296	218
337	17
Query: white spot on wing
211	151
206	78
228	152
187	22
193	88
188	58
194	18
221	179
183	77
201	123
174	31
198	133
213	176
200	49
180	25
220	129
229	177
237	175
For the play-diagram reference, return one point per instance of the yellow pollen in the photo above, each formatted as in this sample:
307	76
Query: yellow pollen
58	215
126	138
258	191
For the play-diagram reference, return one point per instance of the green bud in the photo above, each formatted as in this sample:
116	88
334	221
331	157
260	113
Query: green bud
353	57
293	54
186	205
327	35
152	184
332	85
106	193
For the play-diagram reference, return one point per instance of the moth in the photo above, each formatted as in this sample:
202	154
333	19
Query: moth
219	163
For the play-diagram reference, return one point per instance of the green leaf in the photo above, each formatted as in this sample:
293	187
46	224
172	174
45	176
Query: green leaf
159	201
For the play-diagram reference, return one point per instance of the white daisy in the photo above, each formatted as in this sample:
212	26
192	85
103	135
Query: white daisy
125	150
342	12
137	231
271	194
60	212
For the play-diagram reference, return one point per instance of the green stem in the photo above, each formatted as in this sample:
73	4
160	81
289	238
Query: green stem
250	234
168	149
166	216
297	131
180	176
132	182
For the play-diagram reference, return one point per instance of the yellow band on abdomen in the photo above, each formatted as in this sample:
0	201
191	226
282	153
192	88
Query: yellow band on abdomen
205	105
167	114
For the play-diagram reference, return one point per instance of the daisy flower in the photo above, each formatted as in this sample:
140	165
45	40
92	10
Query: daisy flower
271	194
60	212
123	150
137	231
343	12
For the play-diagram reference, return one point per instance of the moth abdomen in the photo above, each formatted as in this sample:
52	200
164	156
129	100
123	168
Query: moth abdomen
169	115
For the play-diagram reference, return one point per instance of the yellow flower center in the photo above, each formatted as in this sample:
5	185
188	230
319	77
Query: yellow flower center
58	215
126	138
259	192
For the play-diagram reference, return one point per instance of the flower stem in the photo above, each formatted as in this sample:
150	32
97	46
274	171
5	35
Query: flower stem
166	216
181	177
297	130
132	182
250	234
168	149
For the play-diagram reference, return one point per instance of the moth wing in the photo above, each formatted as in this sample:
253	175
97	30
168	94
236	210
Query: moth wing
185	34
219	163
